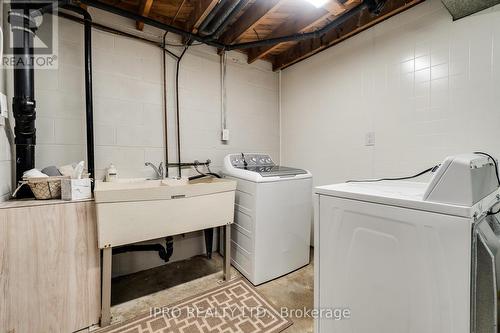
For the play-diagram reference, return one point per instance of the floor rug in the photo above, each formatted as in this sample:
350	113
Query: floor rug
233	307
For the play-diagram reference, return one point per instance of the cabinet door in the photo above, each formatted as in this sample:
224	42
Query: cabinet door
49	268
397	270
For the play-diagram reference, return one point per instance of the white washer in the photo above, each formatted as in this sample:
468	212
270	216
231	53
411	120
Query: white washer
273	212
413	257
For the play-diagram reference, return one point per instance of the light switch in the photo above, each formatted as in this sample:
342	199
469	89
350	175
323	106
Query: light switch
225	134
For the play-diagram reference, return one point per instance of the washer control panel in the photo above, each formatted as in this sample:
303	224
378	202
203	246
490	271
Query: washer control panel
238	160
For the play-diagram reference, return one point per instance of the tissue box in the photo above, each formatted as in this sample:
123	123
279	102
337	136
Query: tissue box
76	189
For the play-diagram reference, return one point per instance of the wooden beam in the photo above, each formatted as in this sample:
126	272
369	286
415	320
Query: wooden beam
351	27
303	22
144	10
201	9
250	18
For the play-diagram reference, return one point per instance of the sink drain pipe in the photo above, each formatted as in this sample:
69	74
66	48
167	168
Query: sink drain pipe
164	253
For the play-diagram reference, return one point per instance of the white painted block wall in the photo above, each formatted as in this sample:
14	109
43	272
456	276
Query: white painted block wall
5	138
128	111
428	87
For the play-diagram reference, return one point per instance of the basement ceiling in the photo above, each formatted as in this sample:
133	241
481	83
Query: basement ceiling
263	19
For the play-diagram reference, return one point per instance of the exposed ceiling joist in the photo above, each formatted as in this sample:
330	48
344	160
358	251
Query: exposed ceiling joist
300	23
250	18
144	10
200	12
354	25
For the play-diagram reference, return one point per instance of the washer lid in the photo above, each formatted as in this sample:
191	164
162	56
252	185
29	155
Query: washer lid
274	170
399	193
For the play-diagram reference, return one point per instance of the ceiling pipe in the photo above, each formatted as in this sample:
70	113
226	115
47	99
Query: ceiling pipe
211	16
300	36
151	22
228	47
216	28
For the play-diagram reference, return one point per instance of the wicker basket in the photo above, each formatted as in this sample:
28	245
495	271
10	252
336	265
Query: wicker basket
44	188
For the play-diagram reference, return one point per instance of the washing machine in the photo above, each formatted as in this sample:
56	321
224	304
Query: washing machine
401	256
273	214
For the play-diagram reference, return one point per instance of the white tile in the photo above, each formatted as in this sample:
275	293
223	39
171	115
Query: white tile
102	40
422	62
151	71
71	79
439	71
5	175
71	53
49	154
117	111
105	135
422	75
45	130
408	66
69	131
122	157
5	148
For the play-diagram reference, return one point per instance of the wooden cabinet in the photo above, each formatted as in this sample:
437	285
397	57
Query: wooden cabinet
49	267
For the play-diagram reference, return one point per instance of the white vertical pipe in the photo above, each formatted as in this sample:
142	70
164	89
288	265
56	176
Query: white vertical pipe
223	65
279	119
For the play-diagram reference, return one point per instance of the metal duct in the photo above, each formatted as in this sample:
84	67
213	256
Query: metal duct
462	8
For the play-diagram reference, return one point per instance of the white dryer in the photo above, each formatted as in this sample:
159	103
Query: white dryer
409	257
273	213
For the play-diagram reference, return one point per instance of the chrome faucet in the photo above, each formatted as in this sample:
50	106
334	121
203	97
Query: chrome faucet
158	170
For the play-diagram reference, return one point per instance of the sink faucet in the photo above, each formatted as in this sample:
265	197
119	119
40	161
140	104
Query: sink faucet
158	170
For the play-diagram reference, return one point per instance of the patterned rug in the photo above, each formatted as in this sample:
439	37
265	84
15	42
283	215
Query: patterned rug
234	307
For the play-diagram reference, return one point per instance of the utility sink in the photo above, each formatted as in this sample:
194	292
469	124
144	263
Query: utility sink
134	210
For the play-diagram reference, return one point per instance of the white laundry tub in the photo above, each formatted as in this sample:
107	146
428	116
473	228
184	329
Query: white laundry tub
134	210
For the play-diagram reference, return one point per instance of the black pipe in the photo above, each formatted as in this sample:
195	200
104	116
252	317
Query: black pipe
110	30
192	164
209	39
89	105
23	103
209	240
151	22
164	253
179	174
300	36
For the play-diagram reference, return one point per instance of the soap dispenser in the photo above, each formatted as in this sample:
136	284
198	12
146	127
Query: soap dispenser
111	173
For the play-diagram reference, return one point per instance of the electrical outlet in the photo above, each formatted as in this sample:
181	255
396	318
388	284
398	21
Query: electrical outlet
225	134
4	111
370	139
